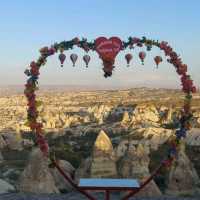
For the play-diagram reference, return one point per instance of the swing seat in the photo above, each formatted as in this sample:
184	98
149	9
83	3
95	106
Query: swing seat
107	185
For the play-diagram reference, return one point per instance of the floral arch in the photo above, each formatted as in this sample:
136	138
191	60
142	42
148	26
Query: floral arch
107	49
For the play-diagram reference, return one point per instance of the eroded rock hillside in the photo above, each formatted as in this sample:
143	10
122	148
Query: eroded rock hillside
118	133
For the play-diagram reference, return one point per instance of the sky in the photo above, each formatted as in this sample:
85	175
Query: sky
26	26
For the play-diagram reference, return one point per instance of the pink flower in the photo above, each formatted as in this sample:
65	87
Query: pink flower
194	89
51	51
135	40
182	69
163	45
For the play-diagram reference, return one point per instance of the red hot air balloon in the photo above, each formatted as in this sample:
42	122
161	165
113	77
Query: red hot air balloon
86	59
128	58
158	60
62	58
73	58
142	56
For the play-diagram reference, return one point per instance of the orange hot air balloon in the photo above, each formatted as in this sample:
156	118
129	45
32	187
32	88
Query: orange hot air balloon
73	58
128	58
62	58
86	59
142	56
158	60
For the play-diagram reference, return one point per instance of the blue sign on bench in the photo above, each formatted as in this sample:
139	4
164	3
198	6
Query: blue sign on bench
108	183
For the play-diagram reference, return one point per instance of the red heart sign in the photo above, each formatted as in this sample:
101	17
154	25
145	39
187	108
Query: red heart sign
108	48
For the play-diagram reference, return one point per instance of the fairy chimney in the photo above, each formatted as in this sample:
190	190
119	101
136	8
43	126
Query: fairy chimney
183	178
135	164
103	158
36	177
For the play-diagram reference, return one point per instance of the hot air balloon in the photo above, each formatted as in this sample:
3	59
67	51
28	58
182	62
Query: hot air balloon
86	59
128	58
157	60
73	58
62	57
142	56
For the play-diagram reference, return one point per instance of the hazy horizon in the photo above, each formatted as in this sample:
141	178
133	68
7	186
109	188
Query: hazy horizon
95	87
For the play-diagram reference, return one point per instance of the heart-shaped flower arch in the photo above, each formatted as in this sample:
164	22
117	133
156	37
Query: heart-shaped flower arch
108	50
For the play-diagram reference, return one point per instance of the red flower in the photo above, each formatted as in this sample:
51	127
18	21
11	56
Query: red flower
135	40
51	51
163	45
31	103
168	50
182	69
28	85
33	64
187	84
34	69
194	89
32	125
44	51
173	55
44	148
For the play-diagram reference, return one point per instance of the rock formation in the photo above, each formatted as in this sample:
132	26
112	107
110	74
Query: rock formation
102	162
145	115
5	187
165	114
2	142
12	141
183	178
99	113
73	116
27	143
60	181
36	177
156	136
1	157
193	137
103	158
126	119
121	149
84	169
135	164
